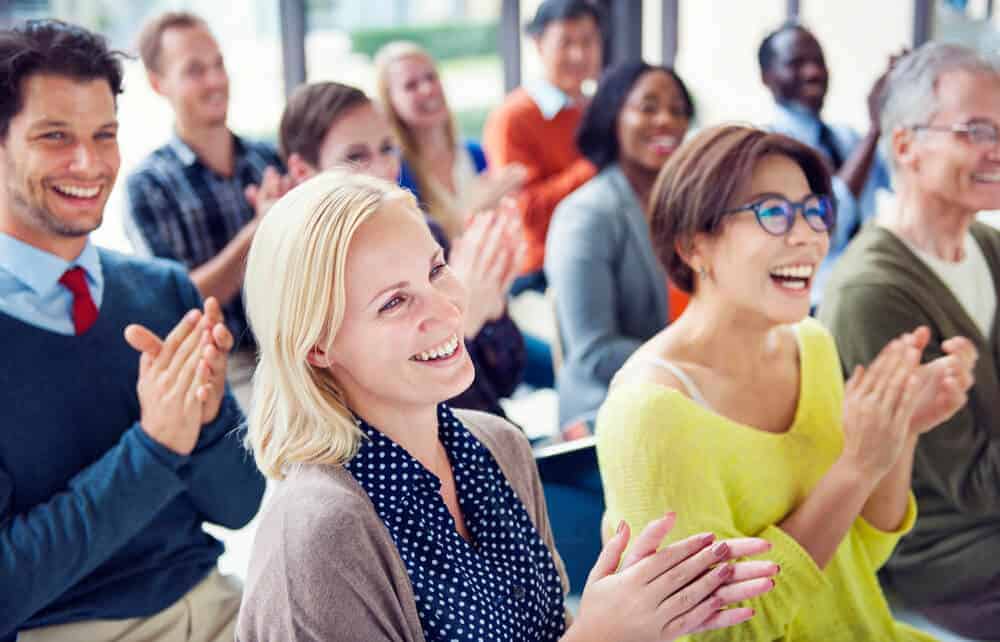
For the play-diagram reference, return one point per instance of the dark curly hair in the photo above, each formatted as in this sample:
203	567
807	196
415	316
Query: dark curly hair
52	47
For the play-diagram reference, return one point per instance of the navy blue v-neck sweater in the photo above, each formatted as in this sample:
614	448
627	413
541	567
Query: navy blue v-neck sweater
97	520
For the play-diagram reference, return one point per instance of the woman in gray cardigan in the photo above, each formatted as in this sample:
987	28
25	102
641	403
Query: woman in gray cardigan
396	518
609	288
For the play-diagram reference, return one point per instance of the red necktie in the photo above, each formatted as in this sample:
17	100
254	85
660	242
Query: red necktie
84	310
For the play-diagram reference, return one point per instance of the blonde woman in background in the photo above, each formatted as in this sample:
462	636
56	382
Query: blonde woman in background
448	176
397	518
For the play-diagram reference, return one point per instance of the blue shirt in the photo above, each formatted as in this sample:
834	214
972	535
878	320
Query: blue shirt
550	99
30	288
98	520
804	126
504	584
180	209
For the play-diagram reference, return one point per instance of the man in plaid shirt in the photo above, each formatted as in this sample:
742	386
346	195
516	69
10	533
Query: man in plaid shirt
198	198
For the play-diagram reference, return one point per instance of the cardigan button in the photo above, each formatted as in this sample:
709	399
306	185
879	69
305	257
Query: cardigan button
518	592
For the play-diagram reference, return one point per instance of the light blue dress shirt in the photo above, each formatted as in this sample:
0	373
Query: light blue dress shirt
802	125
29	284
550	99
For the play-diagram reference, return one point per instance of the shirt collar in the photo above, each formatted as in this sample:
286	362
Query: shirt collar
189	157
376	448
41	270
796	118
550	99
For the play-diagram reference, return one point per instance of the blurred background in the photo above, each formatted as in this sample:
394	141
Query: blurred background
270	46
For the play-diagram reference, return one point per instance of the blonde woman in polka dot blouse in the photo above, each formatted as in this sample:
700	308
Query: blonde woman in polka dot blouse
396	518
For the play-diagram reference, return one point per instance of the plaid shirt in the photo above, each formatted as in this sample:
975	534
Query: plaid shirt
180	209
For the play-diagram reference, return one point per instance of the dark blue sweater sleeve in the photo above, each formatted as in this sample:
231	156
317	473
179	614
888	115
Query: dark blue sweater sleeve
222	478
49	548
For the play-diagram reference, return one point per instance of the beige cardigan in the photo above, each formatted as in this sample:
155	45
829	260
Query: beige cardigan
324	566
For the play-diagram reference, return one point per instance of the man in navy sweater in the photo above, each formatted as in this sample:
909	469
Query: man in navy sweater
109	462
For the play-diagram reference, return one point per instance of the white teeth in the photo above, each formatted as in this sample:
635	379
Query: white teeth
793	271
987	178
446	349
78	192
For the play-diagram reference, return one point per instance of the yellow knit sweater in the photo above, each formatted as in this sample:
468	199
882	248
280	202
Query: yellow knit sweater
660	451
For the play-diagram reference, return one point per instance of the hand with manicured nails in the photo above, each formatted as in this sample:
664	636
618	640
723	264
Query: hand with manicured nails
170	391
662	595
879	402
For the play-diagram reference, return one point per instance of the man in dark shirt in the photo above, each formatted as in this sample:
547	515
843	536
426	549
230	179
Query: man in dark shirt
188	200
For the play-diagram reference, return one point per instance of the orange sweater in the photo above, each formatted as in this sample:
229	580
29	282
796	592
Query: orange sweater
516	132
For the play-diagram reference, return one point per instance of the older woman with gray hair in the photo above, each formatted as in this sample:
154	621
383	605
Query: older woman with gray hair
929	262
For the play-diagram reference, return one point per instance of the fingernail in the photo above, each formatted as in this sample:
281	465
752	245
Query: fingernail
191	316
724	571
721	549
621	528
777	566
706	538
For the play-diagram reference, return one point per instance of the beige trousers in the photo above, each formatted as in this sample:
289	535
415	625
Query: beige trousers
206	613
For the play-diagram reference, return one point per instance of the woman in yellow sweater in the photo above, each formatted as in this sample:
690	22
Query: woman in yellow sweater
736	415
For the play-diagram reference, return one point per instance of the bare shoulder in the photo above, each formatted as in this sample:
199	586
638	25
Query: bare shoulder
657	363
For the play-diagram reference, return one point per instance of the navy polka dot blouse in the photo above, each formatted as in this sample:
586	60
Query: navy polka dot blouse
502	586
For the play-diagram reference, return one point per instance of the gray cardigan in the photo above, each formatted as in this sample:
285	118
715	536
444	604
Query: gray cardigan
324	566
609	287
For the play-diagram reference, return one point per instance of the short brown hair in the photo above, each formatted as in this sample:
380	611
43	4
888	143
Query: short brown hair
309	114
151	36
700	180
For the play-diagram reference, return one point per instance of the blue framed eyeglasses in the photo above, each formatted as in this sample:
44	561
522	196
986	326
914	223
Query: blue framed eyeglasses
776	214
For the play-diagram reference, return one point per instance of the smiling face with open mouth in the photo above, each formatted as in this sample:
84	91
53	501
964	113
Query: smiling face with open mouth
60	159
653	120
951	169
416	92
401	344
758	270
798	72
193	77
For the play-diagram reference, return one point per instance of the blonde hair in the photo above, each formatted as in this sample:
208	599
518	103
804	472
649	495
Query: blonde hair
295	294
440	204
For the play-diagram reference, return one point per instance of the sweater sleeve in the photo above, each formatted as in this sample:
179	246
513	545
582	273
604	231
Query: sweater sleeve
50	547
512	142
880	544
580	261
222	479
324	569
960	458
656	456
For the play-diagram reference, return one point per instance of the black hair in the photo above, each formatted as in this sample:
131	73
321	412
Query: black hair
597	135
55	47
552	10
765	53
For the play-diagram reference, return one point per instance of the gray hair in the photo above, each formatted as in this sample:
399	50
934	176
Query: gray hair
910	95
